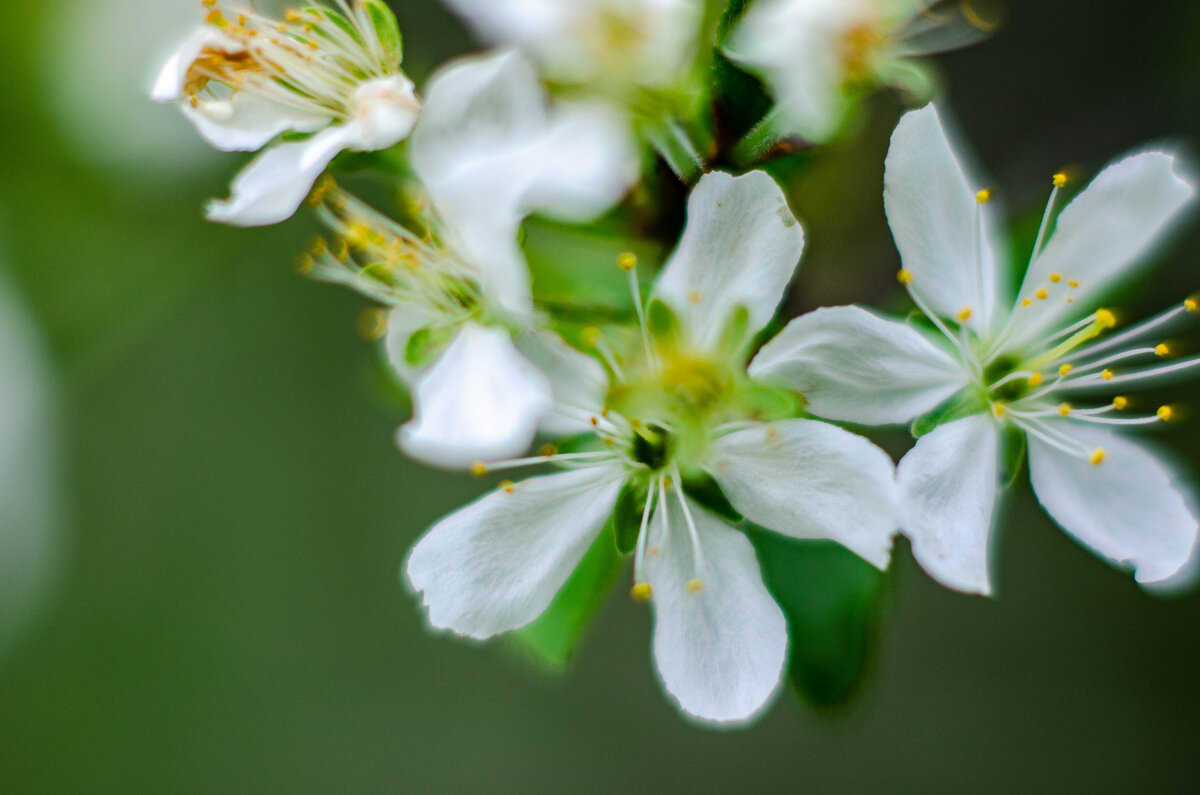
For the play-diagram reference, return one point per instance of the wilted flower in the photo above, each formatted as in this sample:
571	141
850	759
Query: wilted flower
815	55
679	412
327	78
992	370
489	151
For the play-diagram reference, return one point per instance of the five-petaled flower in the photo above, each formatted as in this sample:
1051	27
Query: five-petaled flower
815	55
679	409
330	77
489	151
990	371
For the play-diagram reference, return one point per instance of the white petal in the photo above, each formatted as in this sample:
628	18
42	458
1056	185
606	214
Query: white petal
947	495
795	46
740	247
810	479
490	153
481	400
1104	233
172	78
471	105
853	366
577	380
275	184
936	221
247	122
387	110
720	650
497	564
1129	509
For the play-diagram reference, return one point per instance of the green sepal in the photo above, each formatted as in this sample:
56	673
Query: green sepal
832	600
957	407
662	323
386	28
336	18
735	335
627	514
1013	446
702	488
586	442
553	636
425	343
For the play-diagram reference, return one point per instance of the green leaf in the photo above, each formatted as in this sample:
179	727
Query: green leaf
832	599
554	635
386	28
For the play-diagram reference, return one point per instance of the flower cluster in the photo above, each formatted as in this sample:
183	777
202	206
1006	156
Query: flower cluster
682	421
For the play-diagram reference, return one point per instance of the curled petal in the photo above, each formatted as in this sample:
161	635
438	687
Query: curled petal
480	400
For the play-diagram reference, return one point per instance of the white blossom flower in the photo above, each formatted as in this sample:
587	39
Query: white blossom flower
610	44
814	54
489	151
995	366
682	408
329	76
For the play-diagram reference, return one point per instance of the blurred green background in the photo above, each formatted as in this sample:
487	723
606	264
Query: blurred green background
227	615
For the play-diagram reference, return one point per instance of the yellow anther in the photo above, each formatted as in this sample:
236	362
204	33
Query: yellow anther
1191	305
1042	294
1056	278
964	314
999	410
1106	318
1066	368
1097	456
372	324
1072	283
1107	374
772	433
590	335
695	585
291	15
694	297
1070	299
1059	179
215	17
548	450
1025	302
207	3
507	486
983	196
479	469
1165	413
1120	403
1064	409
304	264
595	421
641	592
627	261
1162	349
905	277
1035	380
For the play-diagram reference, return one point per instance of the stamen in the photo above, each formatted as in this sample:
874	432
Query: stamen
1097	457
1165	413
628	263
639	555
641	592
594	337
697	553
1058	181
1120	403
905	277
1146	373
